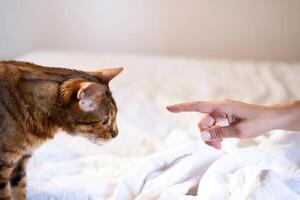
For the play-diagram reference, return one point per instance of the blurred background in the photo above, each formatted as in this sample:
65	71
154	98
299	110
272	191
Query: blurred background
232	29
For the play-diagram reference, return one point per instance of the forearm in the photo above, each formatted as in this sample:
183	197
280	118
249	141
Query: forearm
287	116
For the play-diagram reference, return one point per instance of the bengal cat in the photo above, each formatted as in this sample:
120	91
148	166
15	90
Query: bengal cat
37	101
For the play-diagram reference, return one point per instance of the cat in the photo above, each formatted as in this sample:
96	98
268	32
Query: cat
36	102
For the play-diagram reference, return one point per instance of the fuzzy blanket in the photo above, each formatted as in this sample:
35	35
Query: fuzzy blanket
184	168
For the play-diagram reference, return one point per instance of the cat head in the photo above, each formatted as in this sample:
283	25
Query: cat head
87	106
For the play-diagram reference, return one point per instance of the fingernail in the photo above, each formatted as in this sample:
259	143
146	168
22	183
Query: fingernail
205	135
171	108
168	108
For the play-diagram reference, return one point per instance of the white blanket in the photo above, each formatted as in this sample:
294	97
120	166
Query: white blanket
185	168
251	173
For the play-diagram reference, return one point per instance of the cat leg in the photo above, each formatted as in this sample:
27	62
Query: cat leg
18	179
6	168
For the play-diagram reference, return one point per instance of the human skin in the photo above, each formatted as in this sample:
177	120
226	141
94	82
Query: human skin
243	120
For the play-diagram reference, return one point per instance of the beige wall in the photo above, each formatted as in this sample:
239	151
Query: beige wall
252	29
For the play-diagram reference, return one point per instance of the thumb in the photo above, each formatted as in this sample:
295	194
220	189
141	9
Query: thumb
217	133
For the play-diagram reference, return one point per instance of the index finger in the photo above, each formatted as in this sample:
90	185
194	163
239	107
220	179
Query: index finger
198	106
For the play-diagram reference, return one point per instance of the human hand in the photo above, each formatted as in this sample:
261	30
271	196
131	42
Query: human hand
243	120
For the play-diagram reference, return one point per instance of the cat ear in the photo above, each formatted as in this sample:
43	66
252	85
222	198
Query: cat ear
106	75
67	89
89	94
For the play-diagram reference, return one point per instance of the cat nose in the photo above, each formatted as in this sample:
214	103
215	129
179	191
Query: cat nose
114	131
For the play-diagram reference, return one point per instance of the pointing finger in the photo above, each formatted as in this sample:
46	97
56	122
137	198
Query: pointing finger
199	106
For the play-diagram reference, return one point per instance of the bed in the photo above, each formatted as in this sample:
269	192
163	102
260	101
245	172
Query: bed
72	168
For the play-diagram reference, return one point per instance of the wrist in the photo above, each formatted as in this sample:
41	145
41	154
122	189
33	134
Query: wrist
286	116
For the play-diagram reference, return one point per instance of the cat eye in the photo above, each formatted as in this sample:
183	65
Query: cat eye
105	121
